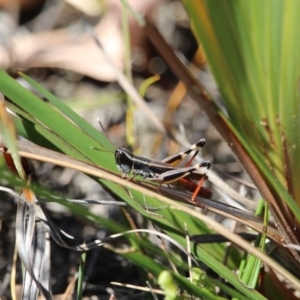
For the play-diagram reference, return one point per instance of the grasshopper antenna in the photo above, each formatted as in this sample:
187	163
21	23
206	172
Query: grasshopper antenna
105	133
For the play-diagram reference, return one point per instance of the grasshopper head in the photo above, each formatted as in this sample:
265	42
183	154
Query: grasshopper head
124	160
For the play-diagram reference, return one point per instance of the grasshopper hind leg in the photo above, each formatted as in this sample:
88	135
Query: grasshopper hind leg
206	165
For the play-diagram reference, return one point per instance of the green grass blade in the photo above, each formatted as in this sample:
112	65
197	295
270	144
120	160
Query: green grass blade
68	112
54	121
253	49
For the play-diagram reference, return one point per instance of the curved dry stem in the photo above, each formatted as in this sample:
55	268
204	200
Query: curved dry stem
205	101
31	151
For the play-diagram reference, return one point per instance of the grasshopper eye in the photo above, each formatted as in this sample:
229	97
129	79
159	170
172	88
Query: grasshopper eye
124	160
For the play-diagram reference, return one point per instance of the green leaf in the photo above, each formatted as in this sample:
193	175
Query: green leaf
253	49
69	113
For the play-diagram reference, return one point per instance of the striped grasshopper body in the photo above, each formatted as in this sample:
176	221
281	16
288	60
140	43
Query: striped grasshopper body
165	171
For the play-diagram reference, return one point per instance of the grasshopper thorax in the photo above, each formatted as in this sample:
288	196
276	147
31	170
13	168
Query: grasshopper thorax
124	160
